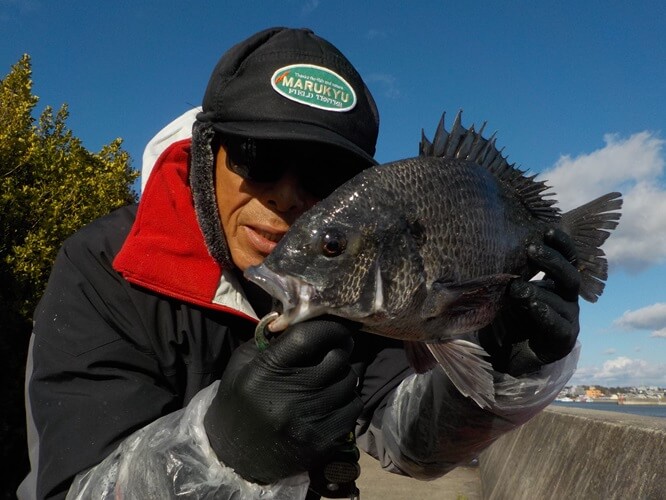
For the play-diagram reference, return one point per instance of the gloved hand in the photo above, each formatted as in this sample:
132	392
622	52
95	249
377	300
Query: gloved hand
539	324
286	409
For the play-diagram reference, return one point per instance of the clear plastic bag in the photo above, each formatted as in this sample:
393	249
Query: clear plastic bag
171	458
429	428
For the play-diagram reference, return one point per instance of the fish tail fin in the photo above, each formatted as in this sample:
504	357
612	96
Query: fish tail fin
589	226
464	364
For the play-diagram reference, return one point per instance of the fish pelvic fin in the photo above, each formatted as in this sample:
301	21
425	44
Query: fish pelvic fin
419	356
468	144
589	226
464	364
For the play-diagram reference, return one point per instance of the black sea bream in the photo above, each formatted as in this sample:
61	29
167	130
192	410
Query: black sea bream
422	249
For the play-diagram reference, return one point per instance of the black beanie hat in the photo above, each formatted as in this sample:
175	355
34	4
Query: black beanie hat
284	84
290	84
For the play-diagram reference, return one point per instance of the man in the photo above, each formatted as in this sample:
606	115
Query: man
144	380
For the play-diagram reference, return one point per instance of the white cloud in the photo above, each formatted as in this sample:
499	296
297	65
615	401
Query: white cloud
661	333
373	34
20	7
610	352
652	317
623	371
635	167
621	366
309	6
388	82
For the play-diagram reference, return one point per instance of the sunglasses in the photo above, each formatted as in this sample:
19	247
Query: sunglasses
320	168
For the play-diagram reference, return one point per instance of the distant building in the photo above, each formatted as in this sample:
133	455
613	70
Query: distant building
577	390
593	393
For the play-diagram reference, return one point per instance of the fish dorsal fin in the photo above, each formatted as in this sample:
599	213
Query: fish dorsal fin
468	144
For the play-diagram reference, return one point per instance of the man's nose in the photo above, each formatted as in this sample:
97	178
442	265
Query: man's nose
287	194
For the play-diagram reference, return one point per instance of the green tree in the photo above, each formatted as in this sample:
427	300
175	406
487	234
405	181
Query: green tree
50	186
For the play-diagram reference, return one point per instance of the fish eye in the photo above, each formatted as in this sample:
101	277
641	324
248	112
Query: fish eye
333	242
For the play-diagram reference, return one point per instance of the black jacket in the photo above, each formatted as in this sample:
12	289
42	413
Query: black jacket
111	355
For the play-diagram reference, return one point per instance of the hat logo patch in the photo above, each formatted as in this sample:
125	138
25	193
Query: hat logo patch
314	86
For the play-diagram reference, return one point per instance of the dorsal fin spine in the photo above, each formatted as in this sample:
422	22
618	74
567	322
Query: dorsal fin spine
467	144
425	148
441	136
457	131
489	146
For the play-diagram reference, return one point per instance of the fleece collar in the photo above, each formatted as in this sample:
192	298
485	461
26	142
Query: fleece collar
202	182
165	250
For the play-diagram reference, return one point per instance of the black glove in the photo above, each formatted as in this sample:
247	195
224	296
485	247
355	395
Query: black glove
539	323
285	410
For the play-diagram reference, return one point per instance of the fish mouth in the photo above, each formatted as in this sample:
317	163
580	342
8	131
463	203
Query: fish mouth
295	295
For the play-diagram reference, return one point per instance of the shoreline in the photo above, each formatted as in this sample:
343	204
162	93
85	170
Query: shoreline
630	402
642	403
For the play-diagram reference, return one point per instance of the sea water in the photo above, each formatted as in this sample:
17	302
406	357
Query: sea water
644	410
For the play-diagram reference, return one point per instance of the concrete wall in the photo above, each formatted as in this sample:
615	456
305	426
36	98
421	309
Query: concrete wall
571	453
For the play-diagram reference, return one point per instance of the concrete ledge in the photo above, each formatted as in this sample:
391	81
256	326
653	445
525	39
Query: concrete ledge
578	453
462	483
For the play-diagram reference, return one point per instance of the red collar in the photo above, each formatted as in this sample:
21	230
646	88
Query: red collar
165	249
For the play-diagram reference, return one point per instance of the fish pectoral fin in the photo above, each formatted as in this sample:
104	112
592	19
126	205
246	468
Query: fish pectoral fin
464	364
455	299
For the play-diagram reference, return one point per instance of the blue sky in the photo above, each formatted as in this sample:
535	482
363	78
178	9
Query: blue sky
575	90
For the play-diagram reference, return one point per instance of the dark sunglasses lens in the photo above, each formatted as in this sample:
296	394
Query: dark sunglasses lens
260	171
321	168
325	176
248	158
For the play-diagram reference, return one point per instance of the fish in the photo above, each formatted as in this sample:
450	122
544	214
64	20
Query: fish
422	249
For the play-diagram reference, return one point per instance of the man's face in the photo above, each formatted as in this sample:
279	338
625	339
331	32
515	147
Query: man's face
259	199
